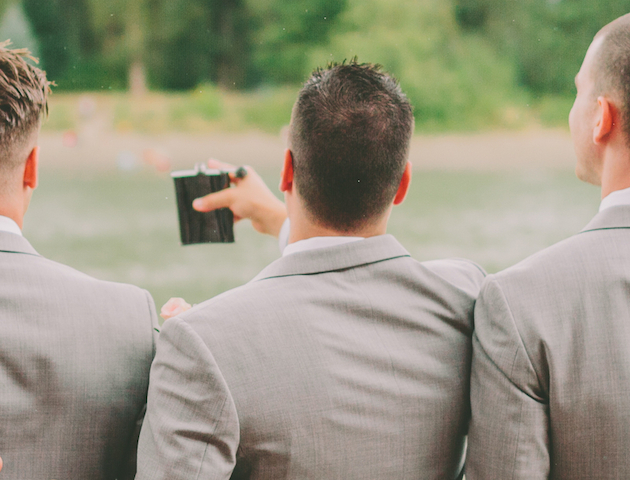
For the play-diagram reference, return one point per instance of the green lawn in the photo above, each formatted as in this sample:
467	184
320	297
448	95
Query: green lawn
123	227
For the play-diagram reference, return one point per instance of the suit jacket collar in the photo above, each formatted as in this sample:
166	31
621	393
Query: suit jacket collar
339	257
12	243
613	217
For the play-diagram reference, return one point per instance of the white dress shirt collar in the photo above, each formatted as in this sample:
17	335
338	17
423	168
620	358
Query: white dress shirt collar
616	198
8	225
317	242
310	243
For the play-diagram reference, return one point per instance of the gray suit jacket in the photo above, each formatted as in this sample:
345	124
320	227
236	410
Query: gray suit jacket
551	365
348	362
75	354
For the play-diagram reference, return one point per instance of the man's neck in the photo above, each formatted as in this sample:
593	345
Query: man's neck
12	212
302	229
615	171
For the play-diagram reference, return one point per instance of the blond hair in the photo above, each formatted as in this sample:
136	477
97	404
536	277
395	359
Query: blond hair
24	93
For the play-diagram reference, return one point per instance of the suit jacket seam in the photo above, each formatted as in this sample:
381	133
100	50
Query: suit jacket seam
509	379
203	457
19	252
391	364
192	331
520	339
517	443
227	397
474	264
150	303
336	269
595	229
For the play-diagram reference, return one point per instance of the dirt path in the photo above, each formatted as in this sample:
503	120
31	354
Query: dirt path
533	149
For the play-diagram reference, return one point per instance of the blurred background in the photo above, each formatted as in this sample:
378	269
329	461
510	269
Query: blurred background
147	86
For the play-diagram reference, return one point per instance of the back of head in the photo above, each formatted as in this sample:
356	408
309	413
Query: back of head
23	99
611	68
350	133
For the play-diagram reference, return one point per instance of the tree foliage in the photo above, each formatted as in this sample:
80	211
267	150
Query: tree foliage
448	75
285	31
546	38
191	41
68	43
451	55
233	43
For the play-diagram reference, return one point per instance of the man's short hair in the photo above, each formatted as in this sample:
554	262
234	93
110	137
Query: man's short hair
611	68
350	133
23	100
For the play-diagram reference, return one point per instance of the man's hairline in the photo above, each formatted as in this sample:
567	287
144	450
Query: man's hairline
604	87
23	149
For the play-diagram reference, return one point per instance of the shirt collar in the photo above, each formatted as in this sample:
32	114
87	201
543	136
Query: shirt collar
8	225
616	198
317	242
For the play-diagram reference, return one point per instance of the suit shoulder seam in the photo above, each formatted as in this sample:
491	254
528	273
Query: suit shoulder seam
518	332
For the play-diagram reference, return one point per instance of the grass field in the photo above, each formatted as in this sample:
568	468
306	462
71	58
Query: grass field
122	226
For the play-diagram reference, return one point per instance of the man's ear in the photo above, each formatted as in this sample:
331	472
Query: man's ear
286	176
30	169
403	187
605	121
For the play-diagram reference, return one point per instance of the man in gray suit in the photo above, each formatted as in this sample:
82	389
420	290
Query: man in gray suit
345	358
75	352
551	366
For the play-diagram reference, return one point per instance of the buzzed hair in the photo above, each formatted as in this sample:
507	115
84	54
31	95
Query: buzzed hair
611	67
24	93
350	133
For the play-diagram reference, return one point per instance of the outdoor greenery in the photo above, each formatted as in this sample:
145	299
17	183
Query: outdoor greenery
465	64
546	39
202	110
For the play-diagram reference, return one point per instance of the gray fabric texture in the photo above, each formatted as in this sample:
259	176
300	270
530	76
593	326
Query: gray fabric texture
348	362
75	354
551	364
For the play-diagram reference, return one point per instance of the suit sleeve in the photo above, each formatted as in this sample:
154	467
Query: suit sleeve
191	428
128	470
509	430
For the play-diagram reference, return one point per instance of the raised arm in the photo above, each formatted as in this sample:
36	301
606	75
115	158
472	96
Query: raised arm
509	430
249	197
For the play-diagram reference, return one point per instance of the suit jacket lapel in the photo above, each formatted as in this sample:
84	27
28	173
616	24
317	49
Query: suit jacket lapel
613	217
370	250
12	243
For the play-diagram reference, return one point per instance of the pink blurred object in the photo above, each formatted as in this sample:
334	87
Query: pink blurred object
175	306
69	139
157	159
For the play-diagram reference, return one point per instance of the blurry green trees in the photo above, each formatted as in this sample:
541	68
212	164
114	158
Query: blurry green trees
180	43
452	78
193	41
285	31
462	62
69	46
546	38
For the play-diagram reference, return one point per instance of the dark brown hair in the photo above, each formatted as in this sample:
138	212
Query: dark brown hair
23	100
350	133
611	67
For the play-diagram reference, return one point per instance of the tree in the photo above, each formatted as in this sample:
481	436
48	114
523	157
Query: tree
285	31
192	41
67	41
236	43
233	43
547	38
15	26
452	78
